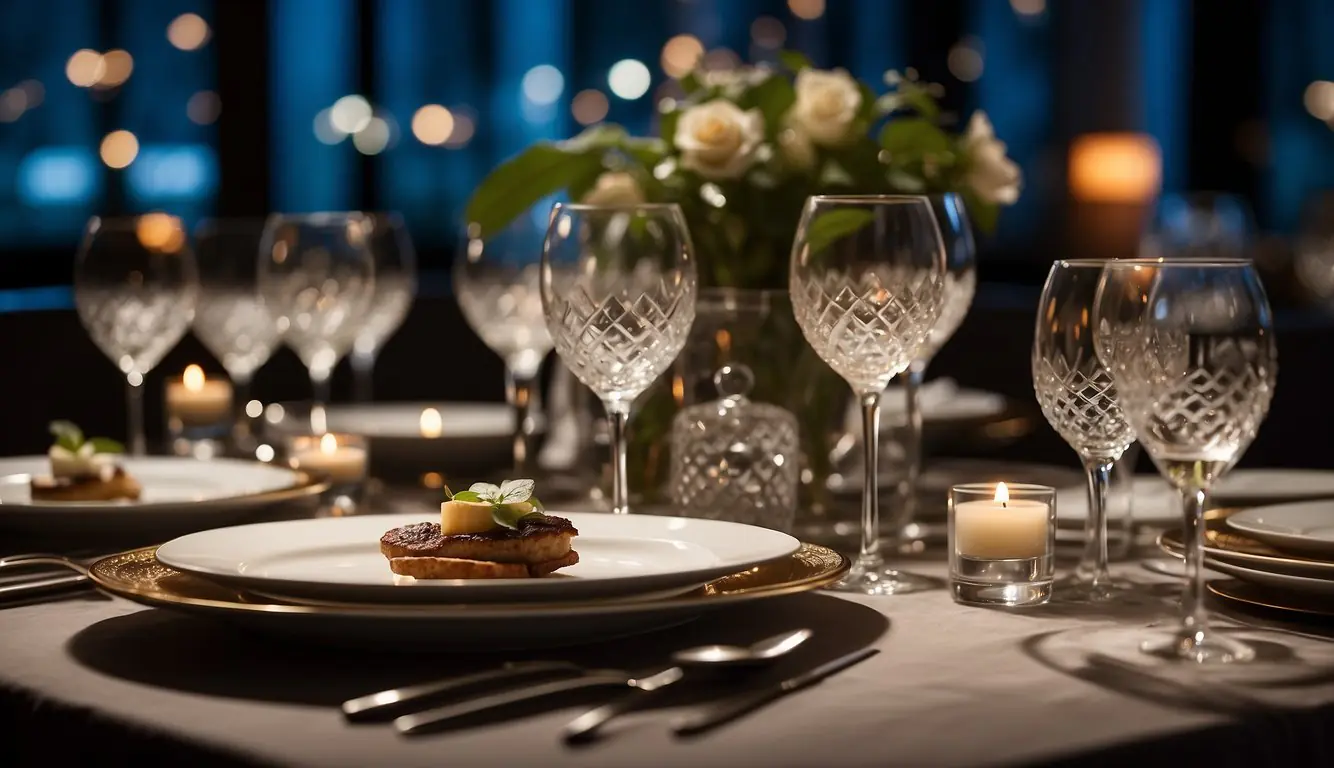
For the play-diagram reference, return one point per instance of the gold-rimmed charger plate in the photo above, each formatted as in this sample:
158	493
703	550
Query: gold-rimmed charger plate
138	576
1226	544
1254	596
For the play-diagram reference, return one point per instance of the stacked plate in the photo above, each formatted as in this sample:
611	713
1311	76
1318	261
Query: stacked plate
327	579
1282	555
179	495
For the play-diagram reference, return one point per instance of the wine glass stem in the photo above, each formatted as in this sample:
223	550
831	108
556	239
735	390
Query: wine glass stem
240	399
1194	618
519	392
319	385
363	375
1093	566
912	444
618	414
134	411
870	551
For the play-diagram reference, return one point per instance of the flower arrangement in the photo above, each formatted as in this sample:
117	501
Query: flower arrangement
745	147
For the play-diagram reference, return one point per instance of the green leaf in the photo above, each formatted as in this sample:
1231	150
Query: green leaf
828	228
448	493
466	496
106	445
691	83
520	182
509	515
537	505
67	434
598	137
648	152
794	60
913	136
773	98
515	491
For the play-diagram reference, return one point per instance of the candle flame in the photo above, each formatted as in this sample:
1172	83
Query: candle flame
328	444
193	378
1002	493
430	423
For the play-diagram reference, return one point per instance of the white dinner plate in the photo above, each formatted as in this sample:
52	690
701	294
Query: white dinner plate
339	559
1305	527
179	493
1155	502
1280	581
1253	487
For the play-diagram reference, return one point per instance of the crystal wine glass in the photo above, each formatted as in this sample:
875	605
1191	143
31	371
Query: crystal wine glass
395	288
317	274
1078	398
233	320
1199	225
135	288
1190	345
618	290
960	286
496	282
868	285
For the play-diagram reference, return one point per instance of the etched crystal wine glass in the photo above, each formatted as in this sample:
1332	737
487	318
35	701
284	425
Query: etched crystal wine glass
496	282
1078	398
317	274
868	284
395	288
135	289
618	291
960	286
233	320
1190	345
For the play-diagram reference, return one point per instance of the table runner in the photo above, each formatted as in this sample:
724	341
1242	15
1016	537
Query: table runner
952	686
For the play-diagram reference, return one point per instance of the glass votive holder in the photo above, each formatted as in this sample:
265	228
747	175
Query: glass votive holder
1002	541
342	458
199	414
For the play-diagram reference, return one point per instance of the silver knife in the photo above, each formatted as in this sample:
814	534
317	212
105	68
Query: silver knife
397	699
735	706
17	591
597	678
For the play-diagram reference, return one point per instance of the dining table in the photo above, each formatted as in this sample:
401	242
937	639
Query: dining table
93	679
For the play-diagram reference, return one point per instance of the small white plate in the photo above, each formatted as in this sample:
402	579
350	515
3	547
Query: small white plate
1306	527
1280	581
1155	502
176	491
339	559
1253	487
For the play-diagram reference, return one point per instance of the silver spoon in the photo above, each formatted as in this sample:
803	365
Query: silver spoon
715	656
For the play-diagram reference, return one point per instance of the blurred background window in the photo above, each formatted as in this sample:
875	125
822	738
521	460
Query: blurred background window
202	107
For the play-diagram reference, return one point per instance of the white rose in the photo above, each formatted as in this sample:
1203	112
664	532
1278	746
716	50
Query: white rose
993	176
718	140
615	188
796	149
826	106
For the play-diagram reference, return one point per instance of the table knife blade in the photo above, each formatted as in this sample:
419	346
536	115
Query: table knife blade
741	704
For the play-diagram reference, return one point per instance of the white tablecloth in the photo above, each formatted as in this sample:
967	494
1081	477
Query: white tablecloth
952	686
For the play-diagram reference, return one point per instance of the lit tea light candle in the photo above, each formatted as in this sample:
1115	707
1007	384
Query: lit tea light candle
196	400
430	423
1001	529
330	455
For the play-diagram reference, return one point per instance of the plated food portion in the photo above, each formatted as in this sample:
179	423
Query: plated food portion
485	532
83	469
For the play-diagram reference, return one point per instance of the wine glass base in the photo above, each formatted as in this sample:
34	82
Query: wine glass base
1200	648
1076	591
874	578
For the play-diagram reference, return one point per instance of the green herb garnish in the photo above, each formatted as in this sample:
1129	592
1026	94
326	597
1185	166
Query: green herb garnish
70	437
504	500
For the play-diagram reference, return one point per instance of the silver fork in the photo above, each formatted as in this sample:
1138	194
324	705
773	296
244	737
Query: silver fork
44	584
